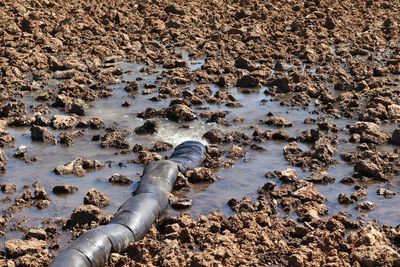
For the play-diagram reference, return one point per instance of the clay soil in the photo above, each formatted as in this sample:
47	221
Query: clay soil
342	58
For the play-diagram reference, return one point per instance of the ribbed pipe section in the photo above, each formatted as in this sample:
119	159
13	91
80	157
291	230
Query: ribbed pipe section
136	215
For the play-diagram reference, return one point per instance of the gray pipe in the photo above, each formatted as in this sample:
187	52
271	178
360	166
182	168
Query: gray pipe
134	217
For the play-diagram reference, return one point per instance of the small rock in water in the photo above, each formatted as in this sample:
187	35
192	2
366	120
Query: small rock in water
387	193
182	183
20	152
64	122
268	186
36	233
64	189
8	188
16	248
214	136
67	138
344	199
280	135
115	139
85	214
132	86
320	177
369	132
244	63
201	174
179	113
149	127
78	167
347	180
248	81
42	134
278	121
117	178
39	192
96	123
96	198
126	104
161	146
369	169
146	157
366	206
359	194
180	202
287	176
236	152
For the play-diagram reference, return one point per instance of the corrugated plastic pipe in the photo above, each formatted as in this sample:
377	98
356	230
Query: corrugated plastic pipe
134	217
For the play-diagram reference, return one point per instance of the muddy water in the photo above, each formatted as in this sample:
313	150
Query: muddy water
241	180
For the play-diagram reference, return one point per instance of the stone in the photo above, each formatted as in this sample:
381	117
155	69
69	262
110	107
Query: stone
132	86
115	139
180	202
64	189
330	23
8	188
68	138
282	84
344	199
244	63
120	179
370	247
179	113
278	121
78	107
39	192
96	123
64	122
386	193
236	152
308	192
214	136
20	152
288	175
280	135
78	167
73	167
146	157
36	233
85	214
320	177
149	127
366	206
248	81
201	175
369	169
161	146
42	134
369	133
96	198
16	248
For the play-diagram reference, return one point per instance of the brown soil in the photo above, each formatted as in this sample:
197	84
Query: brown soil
350	49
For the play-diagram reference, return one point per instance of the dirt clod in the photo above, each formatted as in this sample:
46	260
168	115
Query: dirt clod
85	214
96	198
64	189
117	178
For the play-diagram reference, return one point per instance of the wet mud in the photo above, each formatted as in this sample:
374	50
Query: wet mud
298	104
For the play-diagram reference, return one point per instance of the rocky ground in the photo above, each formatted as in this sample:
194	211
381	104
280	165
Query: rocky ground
339	59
